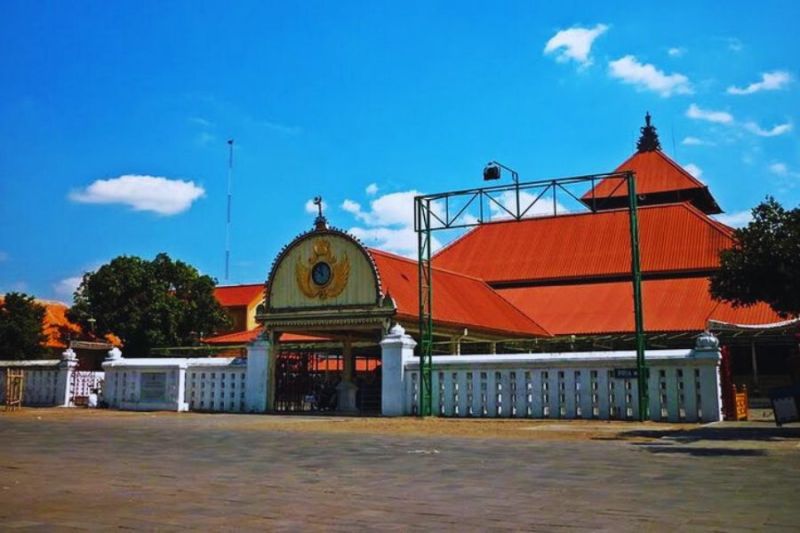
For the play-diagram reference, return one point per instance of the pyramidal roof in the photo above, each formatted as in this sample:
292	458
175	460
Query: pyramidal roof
659	180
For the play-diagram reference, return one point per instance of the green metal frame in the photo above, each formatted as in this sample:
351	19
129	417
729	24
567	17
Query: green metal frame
433	213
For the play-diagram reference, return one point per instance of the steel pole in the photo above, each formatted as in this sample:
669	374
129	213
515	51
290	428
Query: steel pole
638	314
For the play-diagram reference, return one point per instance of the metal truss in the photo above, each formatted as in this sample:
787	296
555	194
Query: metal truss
515	202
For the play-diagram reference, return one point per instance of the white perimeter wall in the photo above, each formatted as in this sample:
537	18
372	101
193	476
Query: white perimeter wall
683	386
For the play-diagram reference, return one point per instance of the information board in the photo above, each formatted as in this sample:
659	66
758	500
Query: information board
153	386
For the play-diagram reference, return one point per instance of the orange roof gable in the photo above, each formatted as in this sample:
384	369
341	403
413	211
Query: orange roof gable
671	305
673	238
459	300
239	295
655	173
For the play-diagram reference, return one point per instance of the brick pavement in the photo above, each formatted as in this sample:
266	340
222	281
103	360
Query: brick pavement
166	472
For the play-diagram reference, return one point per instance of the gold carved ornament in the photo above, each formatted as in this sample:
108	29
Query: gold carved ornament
338	270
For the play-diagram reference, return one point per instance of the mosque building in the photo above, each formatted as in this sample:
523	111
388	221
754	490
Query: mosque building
541	284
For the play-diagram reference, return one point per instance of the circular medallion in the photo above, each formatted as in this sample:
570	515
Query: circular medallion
321	273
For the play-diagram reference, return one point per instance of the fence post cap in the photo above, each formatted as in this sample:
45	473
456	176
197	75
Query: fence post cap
114	354
68	355
706	341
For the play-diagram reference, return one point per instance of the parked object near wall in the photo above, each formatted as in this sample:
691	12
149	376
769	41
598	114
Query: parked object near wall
14	386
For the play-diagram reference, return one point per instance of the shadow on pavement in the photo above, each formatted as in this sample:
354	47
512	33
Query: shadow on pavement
719	433
701	452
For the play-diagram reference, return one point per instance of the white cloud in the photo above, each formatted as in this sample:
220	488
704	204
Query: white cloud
351	207
648	77
770	81
66	287
718	117
372	189
200	121
543	207
694	170
676	51
734	44
779	129
694	141
574	44
204	138
735	220
388	223
779	169
142	193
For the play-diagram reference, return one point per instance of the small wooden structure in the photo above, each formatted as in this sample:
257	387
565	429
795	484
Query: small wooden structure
742	400
15	380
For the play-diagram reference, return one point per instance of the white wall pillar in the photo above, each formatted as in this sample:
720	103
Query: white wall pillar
110	391
64	379
257	378
707	349
346	389
397	349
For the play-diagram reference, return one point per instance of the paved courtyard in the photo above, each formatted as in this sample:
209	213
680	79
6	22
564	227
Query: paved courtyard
64	469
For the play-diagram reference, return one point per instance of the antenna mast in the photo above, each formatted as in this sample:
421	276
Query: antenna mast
228	221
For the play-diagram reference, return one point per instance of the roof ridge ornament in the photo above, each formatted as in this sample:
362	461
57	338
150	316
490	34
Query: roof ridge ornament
320	223
648	142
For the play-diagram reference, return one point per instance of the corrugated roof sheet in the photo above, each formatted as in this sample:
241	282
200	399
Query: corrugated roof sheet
670	305
655	172
238	295
459	300
673	238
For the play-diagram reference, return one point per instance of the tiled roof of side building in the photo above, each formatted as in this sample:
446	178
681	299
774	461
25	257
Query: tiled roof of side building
248	336
670	305
239	295
655	173
459	300
673	238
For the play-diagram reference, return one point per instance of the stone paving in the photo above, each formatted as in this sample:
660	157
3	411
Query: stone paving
80	469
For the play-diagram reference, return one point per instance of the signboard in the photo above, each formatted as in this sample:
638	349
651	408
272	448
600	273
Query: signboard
786	404
626	373
153	386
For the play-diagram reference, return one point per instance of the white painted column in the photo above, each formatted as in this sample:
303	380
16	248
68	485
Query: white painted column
64	379
259	385
397	349
346	389
111	389
707	350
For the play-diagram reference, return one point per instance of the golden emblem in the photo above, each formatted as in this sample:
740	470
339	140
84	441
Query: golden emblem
325	276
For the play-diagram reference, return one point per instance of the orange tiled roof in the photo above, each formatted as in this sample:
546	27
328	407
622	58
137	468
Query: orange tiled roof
459	301
655	172
673	238
55	321
245	337
670	305
239	295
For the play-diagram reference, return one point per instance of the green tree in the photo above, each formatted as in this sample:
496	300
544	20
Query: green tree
21	327
764	263
148	304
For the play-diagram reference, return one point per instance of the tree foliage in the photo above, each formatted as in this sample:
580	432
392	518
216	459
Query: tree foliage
21	328
764	263
148	304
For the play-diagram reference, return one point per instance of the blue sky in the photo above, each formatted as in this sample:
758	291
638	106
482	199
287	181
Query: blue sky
114	116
